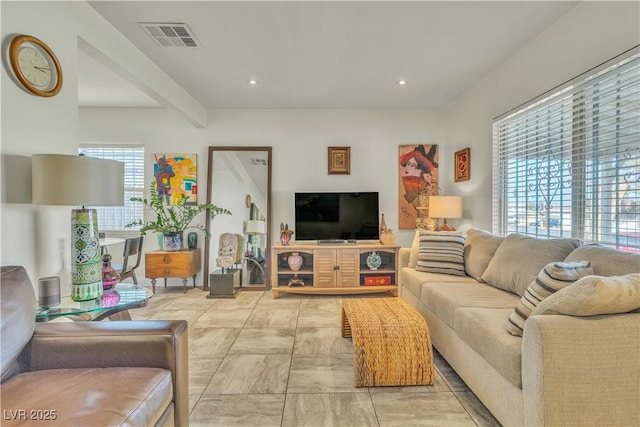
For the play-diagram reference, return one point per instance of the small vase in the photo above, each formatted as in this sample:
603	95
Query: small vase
110	276
295	261
285	237
374	261
160	237
192	240
173	241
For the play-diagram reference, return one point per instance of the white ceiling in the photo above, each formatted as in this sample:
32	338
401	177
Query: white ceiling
321	54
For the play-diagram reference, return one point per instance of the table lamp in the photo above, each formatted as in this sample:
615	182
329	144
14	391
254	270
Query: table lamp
254	227
59	179
445	207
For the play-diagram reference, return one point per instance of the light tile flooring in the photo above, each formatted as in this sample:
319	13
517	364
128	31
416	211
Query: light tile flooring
259	361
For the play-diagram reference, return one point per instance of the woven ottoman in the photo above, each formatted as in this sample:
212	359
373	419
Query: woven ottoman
391	340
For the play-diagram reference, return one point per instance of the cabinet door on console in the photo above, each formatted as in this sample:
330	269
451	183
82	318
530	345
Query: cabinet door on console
324	268
349	268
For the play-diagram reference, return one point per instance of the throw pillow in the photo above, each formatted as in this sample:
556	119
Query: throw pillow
519	259
552	278
593	295
441	252
415	248
479	248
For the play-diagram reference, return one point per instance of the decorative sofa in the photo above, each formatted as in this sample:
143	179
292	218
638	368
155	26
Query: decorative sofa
127	373
565	369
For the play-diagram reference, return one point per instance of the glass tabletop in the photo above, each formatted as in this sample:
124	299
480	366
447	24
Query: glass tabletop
123	297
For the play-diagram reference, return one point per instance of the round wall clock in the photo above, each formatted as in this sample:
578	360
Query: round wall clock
35	66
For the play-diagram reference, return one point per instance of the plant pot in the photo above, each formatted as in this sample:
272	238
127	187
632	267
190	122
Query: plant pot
173	241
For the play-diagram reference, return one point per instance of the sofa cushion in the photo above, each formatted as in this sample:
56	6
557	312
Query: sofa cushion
412	280
593	295
519	259
479	248
415	248
18	316
482	330
552	277
441	252
606	261
443	298
92	397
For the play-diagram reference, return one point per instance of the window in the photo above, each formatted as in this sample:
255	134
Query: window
568	165
114	218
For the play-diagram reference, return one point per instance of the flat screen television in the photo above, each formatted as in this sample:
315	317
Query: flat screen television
336	216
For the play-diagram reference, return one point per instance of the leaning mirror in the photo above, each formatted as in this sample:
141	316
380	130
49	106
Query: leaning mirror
239	179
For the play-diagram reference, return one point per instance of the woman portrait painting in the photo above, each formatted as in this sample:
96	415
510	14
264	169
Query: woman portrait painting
418	179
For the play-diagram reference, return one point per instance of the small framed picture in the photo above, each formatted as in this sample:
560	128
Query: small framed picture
339	160
462	165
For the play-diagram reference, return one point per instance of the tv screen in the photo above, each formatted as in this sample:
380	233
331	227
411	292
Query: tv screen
332	216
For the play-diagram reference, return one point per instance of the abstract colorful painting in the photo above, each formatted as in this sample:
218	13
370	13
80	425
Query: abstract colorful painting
417	180
176	174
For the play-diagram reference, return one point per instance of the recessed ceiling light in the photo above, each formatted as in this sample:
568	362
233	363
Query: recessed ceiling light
402	82
252	82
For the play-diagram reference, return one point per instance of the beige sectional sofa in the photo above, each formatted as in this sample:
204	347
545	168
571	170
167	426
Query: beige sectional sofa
565	369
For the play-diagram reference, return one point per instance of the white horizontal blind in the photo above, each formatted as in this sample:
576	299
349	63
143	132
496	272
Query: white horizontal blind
114	218
569	164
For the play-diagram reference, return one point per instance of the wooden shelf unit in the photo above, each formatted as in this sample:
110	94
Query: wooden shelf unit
333	269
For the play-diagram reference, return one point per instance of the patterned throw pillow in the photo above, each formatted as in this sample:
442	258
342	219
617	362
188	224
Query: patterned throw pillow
441	252
552	278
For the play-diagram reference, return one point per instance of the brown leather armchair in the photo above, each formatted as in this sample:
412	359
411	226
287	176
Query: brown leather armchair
132	373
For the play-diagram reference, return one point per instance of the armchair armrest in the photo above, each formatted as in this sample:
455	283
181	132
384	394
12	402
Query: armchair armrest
581	370
147	343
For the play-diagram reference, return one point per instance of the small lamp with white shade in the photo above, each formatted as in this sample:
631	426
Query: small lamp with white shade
444	207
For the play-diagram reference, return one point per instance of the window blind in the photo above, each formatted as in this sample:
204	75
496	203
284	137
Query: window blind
114	218
568	165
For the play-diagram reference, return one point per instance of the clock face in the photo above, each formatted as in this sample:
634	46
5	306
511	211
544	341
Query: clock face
35	66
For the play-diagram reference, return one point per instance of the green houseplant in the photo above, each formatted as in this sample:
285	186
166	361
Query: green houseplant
172	221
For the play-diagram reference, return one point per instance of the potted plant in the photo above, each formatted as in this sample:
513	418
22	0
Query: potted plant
172	221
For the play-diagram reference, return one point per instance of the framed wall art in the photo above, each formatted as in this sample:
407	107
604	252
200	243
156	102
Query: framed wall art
339	160
176	174
462	165
417	180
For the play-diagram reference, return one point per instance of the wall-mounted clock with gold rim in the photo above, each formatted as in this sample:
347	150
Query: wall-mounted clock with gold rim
35	66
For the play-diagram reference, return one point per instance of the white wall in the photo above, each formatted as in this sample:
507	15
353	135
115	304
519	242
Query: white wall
38	236
589	34
299	139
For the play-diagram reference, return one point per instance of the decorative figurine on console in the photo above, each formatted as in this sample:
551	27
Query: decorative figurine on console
285	234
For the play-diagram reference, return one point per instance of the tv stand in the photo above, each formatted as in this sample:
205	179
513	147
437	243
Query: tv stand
334	268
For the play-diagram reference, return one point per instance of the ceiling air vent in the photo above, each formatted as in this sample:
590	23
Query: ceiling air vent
170	35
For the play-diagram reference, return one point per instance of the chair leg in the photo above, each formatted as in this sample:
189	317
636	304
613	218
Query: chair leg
133	276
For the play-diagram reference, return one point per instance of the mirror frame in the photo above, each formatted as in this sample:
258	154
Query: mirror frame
207	246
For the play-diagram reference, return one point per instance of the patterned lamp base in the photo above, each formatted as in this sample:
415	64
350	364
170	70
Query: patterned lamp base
86	265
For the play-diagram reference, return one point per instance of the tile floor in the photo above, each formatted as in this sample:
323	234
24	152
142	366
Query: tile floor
259	361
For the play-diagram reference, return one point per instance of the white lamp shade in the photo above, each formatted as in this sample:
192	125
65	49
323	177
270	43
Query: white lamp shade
445	207
59	179
255	226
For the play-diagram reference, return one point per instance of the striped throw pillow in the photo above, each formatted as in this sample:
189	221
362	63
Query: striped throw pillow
441	252
553	277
